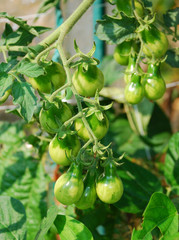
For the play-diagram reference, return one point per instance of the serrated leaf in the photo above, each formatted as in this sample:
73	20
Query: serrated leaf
24	95
171	18
6	67
30	69
139	184
47	222
116	31
12	219
25	179
160	212
70	228
6	81
171	167
23	24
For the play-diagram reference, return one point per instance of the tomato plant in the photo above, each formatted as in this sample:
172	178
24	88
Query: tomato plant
89	138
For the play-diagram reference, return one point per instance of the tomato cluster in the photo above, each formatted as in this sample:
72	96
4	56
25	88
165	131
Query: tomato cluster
78	185
139	84
70	188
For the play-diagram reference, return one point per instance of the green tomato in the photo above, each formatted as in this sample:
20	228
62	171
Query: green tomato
69	186
88	197
88	82
56	112
122	52
126	7
155	43
54	78
99	127
109	186
61	149
134	91
154	85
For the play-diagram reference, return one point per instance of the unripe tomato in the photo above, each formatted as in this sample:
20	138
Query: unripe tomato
154	85
131	68
49	117
61	149
54	78
122	52
69	186
134	91
155	43
88	82
109	186
98	127
88	197
126	7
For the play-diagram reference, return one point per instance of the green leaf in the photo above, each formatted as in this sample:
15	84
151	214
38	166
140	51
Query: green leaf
25	179
171	168
171	18
70	228
24	95
30	69
6	81
114	30
47	222
111	69
23	24
173	57
161	213
12	219
139	184
47	4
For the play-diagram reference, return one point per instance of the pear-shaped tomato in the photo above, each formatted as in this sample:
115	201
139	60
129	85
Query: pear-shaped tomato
134	91
69	186
87	82
154	85
131	68
122	52
49	116
99	127
61	149
109	186
54	78
155	43
88	197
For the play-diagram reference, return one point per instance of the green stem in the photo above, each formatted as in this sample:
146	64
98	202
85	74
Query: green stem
14	48
44	52
68	24
78	115
54	94
83	149
72	58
